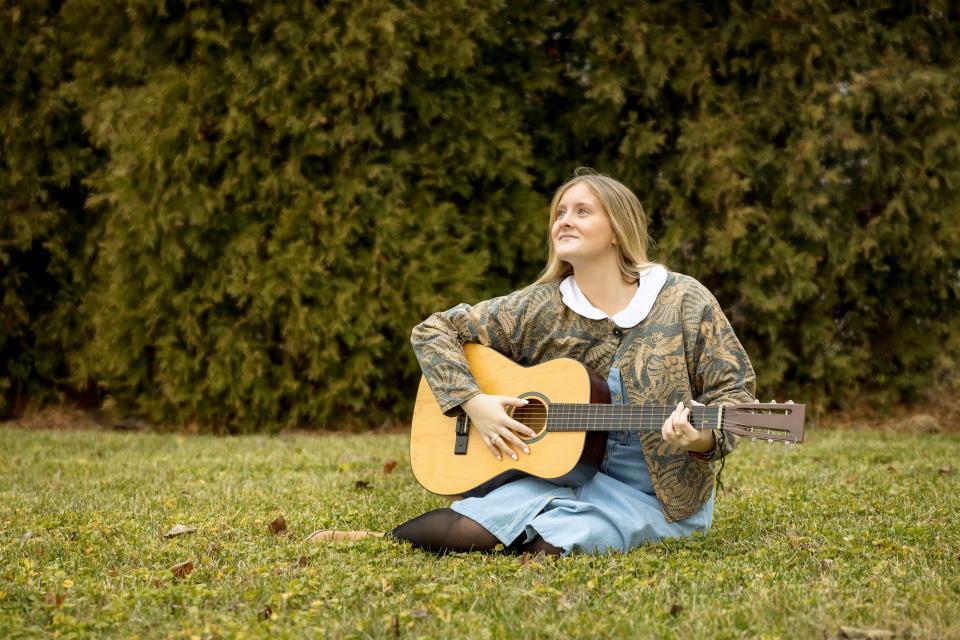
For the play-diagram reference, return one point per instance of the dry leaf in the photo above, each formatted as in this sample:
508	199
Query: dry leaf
536	559
419	613
183	569
361	484
336	535
178	530
278	526
395	626
826	564
302	561
266	612
213	549
948	470
54	599
852	633
676	608
389	466
25	537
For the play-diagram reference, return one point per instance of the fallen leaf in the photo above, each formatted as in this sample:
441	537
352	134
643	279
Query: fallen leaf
182	569
157	583
178	530
361	484
826	564
419	613
675	608
54	599
389	466
266	612
278	526
337	535
852	633
535	560
213	549
948	470
25	537
395	626
302	561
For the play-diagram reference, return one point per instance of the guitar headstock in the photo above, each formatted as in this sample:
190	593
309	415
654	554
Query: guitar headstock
772	421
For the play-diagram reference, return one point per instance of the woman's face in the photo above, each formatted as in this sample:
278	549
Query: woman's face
582	231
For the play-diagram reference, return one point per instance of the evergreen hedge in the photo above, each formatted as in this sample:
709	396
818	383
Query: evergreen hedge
45	156
263	198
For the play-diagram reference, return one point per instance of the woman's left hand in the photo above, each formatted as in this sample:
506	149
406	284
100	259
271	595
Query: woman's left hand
678	431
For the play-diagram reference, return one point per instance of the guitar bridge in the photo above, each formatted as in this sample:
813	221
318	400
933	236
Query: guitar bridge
463	430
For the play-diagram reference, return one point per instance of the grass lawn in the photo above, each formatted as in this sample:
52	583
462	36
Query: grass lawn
851	529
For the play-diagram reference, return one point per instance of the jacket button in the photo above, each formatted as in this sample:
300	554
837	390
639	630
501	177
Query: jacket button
618	331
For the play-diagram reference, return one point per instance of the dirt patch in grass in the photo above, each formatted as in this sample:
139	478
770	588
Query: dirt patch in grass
939	413
60	417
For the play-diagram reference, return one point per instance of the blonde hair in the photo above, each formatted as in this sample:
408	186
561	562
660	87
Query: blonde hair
627	219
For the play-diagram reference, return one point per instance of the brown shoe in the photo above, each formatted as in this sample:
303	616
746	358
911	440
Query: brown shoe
335	535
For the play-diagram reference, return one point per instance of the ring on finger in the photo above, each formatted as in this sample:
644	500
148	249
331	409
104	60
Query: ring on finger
493	439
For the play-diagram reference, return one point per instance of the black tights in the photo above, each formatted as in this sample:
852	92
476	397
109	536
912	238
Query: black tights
444	530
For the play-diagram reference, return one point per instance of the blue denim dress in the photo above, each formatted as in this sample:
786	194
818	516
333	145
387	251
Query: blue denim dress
616	510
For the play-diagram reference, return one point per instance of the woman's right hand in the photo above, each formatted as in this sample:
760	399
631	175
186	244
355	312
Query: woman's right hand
488	415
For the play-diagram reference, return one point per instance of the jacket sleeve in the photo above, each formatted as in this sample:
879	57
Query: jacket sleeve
721	371
438	344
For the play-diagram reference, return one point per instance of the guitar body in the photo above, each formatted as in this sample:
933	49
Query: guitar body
565	458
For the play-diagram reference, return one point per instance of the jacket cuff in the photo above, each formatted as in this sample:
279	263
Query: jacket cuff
452	405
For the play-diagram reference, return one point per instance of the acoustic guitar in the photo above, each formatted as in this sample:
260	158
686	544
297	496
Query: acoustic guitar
569	409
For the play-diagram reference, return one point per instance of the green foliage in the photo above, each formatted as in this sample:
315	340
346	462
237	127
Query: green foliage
44	157
851	529
277	217
264	198
802	160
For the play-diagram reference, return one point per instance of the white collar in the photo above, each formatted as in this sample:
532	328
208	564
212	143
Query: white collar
649	285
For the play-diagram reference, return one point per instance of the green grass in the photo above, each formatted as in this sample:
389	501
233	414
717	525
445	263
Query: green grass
852	528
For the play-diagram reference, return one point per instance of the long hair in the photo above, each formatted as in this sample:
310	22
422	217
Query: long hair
627	219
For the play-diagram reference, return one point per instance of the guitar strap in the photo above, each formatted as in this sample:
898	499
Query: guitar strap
723	458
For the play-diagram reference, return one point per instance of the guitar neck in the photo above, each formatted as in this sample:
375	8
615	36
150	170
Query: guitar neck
623	417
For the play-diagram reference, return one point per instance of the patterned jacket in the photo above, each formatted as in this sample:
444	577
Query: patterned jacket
684	349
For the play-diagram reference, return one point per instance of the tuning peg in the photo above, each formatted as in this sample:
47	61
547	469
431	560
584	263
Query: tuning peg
769	440
787	443
791	402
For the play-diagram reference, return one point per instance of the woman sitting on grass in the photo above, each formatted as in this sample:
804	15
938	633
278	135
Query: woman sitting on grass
660	337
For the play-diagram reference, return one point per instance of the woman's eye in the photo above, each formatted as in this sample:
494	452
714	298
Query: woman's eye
583	212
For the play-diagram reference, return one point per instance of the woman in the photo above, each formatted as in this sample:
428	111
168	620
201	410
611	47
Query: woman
660	338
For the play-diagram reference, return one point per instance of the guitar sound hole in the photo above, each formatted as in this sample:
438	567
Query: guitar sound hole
533	415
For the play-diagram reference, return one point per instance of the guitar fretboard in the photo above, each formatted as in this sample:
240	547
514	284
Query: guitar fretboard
619	417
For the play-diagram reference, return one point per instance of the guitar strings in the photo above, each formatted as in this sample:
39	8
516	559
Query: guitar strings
613	424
